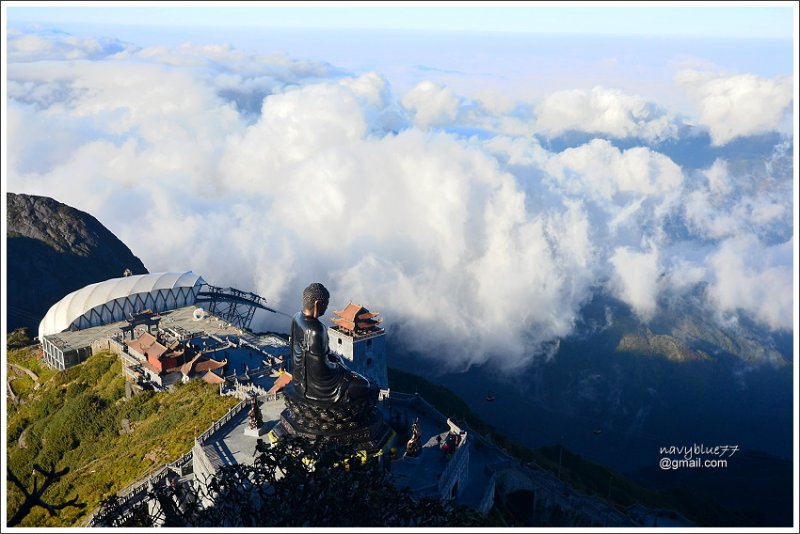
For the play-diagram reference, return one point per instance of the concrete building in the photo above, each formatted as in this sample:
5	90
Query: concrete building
108	302
357	337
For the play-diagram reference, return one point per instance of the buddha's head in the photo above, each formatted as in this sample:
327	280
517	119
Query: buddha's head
315	300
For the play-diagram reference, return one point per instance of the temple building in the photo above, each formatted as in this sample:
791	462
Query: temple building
358	338
166	361
207	369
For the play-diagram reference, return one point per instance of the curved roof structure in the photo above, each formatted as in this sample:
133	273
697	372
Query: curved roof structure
112	300
356	318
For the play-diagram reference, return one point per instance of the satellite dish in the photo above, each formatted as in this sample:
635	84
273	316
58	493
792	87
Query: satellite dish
199	313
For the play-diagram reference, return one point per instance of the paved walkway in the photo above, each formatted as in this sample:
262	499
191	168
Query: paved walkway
231	445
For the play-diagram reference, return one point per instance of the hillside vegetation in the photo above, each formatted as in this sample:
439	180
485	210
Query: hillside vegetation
645	342
73	420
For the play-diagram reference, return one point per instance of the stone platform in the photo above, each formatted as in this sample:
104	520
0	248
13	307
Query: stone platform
359	425
256	432
369	437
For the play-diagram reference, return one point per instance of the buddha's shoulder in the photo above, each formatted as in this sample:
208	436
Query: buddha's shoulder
309	323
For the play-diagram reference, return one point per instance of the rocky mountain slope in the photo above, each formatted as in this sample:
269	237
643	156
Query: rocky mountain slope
54	249
617	390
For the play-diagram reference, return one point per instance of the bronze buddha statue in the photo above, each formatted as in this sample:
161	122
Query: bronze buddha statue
318	374
324	398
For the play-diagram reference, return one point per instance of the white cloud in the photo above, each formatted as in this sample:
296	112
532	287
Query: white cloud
726	204
683	274
265	173
732	106
433	104
33	47
767	212
706	218
226	59
420	225
30	44
603	111
752	277
496	103
600	170
717	176
416	224
635	280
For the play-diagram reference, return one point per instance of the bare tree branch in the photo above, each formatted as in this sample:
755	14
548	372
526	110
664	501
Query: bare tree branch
296	483
34	497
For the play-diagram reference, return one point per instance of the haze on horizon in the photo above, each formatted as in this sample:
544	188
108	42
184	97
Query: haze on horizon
462	184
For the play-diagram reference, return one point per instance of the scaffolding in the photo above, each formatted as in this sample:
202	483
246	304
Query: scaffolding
232	305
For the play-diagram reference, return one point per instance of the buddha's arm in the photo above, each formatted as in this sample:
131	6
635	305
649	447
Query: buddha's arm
318	347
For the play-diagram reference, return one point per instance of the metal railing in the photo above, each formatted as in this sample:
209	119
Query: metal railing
455	465
128	495
204	464
256	371
221	421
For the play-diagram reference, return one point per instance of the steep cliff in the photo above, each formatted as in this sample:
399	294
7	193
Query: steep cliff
54	249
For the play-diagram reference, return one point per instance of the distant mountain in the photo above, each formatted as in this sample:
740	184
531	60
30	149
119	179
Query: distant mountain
685	331
645	342
54	249
617	390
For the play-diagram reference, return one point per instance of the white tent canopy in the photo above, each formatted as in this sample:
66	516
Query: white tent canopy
114	299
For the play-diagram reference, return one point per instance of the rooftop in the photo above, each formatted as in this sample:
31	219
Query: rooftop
180	319
356	318
147	344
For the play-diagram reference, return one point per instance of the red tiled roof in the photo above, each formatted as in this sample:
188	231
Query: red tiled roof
209	365
150	366
356	317
211	378
344	323
350	312
147	343
280	383
198	365
186	368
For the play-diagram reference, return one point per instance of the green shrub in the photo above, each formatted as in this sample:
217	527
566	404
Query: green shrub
140	407
18	339
77	427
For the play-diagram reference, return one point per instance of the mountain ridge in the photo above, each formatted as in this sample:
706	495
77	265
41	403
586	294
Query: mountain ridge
54	249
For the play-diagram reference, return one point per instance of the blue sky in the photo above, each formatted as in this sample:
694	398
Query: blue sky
723	20
530	51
